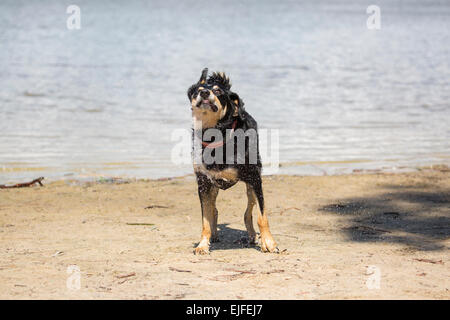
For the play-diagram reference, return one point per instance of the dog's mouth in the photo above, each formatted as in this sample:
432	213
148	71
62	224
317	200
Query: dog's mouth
206	104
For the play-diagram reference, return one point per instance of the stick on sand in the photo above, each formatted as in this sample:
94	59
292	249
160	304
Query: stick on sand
23	185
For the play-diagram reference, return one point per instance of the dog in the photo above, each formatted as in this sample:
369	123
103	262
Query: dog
215	107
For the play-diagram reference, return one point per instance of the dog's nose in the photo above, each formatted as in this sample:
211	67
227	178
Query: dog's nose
204	94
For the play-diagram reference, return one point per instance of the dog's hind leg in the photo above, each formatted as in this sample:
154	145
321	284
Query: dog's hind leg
248	218
208	194
268	244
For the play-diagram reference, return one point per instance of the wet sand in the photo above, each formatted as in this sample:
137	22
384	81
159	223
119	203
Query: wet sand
360	236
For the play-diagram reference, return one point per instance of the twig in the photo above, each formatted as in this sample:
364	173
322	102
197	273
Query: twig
126	275
178	270
226	278
22	185
273	271
124	280
242	271
240	274
156	206
430	261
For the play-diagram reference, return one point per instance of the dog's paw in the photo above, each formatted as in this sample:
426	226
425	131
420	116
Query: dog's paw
215	239
268	244
201	250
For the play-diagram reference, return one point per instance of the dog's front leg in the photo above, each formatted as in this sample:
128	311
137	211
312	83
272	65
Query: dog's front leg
208	194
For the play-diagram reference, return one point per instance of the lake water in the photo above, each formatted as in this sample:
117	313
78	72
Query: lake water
105	99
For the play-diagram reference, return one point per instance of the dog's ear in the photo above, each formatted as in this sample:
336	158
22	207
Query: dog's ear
191	91
238	105
202	79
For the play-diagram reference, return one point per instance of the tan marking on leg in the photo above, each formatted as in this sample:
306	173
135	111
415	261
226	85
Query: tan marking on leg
208	220
248	218
268	244
214	233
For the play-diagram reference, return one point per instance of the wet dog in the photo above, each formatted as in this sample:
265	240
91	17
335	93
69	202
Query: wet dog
225	151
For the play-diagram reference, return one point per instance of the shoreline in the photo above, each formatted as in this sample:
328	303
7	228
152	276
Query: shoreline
331	231
18	172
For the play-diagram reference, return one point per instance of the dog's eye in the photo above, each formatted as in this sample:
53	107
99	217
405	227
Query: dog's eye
217	92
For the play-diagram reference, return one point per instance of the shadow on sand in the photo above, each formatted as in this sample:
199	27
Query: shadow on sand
231	239
420	220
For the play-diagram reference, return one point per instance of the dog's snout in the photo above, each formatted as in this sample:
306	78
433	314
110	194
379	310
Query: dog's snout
204	94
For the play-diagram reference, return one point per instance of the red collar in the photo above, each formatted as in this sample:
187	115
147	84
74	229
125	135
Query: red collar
213	145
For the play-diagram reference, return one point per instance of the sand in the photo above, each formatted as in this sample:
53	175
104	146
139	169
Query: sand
360	236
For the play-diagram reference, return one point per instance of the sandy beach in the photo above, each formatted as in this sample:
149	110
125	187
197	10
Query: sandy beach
360	236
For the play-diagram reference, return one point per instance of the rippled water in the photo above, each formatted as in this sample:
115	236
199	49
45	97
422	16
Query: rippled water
106	98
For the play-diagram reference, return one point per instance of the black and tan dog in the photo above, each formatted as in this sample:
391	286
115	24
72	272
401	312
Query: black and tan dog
214	106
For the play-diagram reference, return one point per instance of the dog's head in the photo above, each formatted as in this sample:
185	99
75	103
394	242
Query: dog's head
212	100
